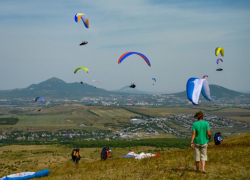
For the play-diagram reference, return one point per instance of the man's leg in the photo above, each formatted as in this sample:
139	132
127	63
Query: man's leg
203	156
197	165
203	162
197	156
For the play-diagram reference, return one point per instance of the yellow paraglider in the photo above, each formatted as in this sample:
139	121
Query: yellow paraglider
87	71
219	50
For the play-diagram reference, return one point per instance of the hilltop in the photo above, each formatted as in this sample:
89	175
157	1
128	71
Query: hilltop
54	88
227	161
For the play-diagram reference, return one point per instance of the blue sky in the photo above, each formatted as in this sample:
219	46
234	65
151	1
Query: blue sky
40	40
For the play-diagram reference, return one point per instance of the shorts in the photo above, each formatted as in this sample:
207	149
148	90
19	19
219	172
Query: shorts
200	152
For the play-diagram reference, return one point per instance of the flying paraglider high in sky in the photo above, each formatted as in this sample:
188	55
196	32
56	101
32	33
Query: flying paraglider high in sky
154	79
84	19
218	60
95	81
204	76
194	87
219	50
125	55
84	68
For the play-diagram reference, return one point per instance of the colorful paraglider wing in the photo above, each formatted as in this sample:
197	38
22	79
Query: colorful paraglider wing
154	79
193	90
26	175
204	76
219	50
81	68
195	86
95	81
39	97
218	60
125	55
131	101
89	104
84	18
205	91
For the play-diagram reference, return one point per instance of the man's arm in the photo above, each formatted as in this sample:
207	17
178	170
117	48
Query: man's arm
192	139
209	134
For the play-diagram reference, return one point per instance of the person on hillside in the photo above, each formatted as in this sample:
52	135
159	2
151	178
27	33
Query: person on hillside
200	137
76	156
105	153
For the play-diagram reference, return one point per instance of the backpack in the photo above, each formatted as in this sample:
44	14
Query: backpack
72	152
216	141
104	153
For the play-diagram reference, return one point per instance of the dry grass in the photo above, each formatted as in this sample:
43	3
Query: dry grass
18	158
228	161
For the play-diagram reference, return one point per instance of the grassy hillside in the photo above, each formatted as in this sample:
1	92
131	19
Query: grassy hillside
228	161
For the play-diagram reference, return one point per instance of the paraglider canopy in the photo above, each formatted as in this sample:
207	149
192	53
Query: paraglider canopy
83	43
204	76
84	19
219	50
218	60
132	85
89	104
84	68
39	97
219	69
194	87
125	55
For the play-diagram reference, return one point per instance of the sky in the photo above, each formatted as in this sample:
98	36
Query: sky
40	40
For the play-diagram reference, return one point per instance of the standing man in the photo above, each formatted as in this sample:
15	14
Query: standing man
200	137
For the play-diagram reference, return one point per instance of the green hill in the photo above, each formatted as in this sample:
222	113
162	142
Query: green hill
54	88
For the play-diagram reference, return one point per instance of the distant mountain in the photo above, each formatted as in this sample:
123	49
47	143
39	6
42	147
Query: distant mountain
54	88
218	92
127	89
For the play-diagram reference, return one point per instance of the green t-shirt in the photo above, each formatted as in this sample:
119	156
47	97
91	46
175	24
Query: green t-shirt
200	128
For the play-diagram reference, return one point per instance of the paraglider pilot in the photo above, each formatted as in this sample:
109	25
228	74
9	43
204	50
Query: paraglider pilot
105	153
132	85
76	156
83	43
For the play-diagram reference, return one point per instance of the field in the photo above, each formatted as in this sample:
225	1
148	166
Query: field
75	116
18	158
70	116
227	161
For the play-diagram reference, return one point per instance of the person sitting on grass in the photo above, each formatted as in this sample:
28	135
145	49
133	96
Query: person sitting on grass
200	137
